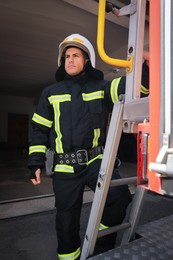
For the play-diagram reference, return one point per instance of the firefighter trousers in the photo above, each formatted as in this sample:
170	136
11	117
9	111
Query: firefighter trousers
69	189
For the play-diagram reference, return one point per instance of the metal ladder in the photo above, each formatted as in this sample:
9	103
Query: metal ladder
119	122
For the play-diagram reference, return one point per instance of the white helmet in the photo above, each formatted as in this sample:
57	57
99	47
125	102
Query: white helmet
79	41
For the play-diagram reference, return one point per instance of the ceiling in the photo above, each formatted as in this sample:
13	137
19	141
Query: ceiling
31	32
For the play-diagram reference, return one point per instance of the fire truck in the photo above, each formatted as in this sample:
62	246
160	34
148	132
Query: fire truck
151	120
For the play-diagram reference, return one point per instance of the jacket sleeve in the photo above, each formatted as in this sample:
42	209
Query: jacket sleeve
118	85
42	121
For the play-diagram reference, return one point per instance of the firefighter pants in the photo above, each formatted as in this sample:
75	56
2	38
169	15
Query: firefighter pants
68	189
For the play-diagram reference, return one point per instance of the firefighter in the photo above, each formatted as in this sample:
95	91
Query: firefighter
71	119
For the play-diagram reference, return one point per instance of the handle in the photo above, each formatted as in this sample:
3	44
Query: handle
100	42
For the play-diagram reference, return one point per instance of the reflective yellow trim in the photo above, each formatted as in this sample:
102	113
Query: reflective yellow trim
100	156
96	137
93	95
71	256
58	140
37	149
101	227
42	120
64	168
66	39
114	89
55	101
74	39
59	98
78	40
144	90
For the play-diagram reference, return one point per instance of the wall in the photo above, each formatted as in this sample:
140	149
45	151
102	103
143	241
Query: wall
13	104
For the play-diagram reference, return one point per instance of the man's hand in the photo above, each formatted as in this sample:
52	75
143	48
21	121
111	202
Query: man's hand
37	179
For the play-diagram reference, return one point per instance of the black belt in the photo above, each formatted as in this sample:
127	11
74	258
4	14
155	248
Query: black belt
80	156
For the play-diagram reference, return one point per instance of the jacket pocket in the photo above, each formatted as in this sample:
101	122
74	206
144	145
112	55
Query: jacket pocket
96	112
95	107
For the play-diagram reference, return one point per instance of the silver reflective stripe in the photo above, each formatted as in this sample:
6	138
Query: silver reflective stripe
114	89
93	95
41	120
37	149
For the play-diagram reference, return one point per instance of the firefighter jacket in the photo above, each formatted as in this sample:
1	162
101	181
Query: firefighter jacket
72	115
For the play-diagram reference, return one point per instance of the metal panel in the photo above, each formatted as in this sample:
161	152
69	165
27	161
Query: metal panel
156	243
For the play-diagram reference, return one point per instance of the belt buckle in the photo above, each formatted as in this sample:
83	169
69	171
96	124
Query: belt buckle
78	155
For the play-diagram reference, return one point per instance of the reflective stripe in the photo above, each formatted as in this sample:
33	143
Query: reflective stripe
100	156
96	137
59	98
55	101
74	39
58	140
41	120
101	227
114	89
37	149
93	95
64	168
78	40
144	90
71	256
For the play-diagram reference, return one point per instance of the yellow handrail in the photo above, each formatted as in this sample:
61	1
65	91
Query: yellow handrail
100	41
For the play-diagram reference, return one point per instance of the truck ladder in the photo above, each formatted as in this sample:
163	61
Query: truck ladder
119	122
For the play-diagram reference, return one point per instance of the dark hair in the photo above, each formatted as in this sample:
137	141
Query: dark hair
84	53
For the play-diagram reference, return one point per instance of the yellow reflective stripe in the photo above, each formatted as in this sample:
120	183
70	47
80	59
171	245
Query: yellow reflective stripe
74	39
42	120
114	89
37	149
78	40
96	137
58	140
70	256
93	95
101	227
55	100
144	90
100	156
59	98
64	168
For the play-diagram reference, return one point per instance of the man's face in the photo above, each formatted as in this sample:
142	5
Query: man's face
74	61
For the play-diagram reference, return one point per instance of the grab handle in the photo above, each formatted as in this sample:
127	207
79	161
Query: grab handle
100	42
